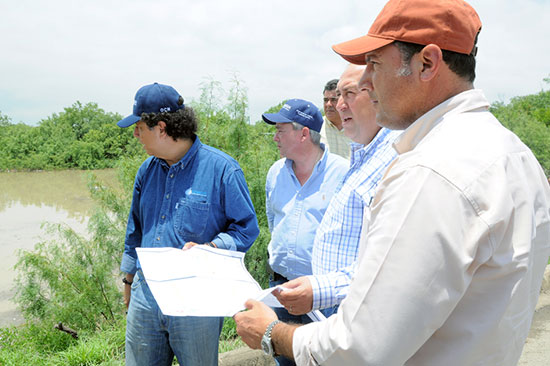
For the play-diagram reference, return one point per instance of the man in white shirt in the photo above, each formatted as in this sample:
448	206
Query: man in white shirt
332	131
450	269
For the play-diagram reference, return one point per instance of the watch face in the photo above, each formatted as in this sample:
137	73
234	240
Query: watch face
266	346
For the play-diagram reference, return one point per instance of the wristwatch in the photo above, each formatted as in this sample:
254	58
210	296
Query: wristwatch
267	346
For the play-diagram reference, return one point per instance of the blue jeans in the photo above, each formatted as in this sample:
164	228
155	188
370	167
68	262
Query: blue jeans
152	339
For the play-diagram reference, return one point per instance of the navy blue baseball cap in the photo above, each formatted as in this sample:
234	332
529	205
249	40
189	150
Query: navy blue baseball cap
297	110
153	98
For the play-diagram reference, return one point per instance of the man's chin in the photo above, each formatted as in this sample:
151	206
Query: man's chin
332	116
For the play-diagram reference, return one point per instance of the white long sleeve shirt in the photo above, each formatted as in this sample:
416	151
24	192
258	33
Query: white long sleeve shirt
450	268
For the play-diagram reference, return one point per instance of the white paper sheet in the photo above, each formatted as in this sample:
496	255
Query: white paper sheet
202	281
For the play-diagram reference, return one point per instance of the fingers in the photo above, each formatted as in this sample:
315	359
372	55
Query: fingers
298	298
252	324
250	303
293	283
277	294
189	245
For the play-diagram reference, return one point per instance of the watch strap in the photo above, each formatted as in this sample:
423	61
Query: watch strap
268	332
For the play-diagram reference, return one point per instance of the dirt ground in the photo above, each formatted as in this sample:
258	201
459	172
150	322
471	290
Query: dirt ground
536	351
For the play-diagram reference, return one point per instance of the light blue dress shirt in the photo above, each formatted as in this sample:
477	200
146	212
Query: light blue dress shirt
295	211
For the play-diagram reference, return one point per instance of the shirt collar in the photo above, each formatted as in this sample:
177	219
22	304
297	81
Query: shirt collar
329	124
467	101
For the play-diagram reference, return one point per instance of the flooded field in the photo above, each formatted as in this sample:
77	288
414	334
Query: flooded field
29	199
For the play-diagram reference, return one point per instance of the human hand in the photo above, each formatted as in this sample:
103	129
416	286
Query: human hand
189	245
251	324
297	298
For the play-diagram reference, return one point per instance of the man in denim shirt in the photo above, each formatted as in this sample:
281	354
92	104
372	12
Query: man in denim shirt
185	194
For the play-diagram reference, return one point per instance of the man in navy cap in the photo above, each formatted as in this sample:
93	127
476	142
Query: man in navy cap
298	190
185	194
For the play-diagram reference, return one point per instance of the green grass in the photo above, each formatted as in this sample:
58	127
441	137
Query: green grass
41	345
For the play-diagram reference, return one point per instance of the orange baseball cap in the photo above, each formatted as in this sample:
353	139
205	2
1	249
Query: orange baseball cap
453	25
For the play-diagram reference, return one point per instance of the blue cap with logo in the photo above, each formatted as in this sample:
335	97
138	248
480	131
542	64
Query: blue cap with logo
153	98
297	110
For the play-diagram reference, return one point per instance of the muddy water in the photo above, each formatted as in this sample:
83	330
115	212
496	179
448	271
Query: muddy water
27	200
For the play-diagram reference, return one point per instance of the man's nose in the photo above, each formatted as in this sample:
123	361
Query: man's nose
340	105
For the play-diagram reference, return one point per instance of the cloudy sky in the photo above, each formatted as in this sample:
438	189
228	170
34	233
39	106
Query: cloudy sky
54	53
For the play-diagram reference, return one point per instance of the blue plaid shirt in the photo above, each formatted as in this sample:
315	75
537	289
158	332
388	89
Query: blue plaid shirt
337	239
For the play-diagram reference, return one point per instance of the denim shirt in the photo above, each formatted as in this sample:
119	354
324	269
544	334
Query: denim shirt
201	198
295	211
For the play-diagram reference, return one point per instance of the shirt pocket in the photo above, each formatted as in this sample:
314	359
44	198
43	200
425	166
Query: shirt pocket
191	216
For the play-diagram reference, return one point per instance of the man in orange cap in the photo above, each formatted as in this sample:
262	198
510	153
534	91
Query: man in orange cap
451	266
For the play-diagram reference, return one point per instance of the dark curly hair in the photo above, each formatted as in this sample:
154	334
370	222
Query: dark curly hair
179	124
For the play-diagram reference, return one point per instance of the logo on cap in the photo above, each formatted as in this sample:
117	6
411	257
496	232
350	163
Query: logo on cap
305	115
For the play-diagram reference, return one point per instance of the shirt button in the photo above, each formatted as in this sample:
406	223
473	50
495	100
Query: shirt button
158	238
168	196
172	175
163	217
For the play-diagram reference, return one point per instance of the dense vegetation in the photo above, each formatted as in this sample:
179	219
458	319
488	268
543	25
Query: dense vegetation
80	137
529	118
74	280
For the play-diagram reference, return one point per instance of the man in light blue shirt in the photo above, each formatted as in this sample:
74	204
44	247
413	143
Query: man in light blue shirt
299	188
337	240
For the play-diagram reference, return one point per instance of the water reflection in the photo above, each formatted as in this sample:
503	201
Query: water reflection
65	190
27	200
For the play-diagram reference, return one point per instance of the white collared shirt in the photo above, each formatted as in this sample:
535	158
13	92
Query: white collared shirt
450	269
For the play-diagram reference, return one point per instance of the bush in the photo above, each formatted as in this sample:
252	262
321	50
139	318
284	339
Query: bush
82	137
529	118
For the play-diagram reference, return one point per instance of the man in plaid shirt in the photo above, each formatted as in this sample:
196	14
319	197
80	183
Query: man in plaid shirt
337	238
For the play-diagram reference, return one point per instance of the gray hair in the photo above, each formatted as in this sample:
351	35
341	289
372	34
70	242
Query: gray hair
314	135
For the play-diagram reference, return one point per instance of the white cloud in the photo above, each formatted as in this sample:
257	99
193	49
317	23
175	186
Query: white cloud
58	52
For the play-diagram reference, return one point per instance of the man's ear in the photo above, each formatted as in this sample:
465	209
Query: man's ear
431	58
162	127
305	133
